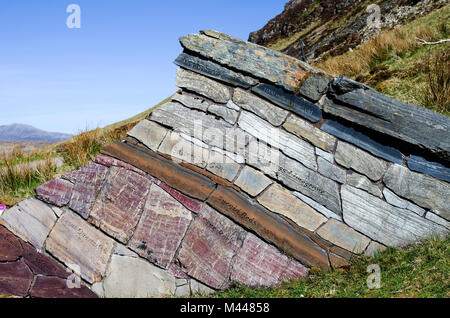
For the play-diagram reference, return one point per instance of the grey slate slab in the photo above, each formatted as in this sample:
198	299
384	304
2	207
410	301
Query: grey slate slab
290	102
416	125
363	141
434	169
214	70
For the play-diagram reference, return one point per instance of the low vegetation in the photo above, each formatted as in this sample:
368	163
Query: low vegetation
20	181
422	270
398	64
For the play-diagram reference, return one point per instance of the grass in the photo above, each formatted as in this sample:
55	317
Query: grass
19	182
420	271
398	65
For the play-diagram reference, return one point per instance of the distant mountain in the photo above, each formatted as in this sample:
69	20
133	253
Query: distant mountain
19	132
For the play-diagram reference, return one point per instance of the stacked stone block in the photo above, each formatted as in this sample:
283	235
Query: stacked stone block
260	168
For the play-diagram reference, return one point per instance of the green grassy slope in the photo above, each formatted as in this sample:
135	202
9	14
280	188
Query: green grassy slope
422	270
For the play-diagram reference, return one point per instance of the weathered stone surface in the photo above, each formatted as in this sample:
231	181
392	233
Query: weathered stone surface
314	87
122	250
361	140
269	226
384	223
359	160
223	166
393	199
130	277
193	123
149	133
183	289
214	71
281	201
198	288
416	125
42	264
235	157
209	247
362	182
259	264
434	169
54	287
305	130
310	183
175	176
75	243
262	63
232	105
316	206
112	162
423	190
15	279
120	203
374	248
176	146
438	220
56	191
344	236
338	261
252	181
263	157
291	145
191	101
331	171
188	202
289	102
89	179
325	155
10	248
229	115
274	115
203	86
31	220
161	228
97	288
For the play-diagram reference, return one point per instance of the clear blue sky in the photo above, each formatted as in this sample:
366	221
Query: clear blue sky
118	64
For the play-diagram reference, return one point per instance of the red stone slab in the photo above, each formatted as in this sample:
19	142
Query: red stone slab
56	192
187	181
163	225
15	279
120	203
10	248
42	264
207	250
54	287
259	264
191	204
269	226
88	181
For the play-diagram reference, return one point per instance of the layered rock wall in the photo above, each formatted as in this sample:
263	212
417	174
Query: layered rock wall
260	168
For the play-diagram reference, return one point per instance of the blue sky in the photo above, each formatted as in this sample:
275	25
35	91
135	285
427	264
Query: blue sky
119	63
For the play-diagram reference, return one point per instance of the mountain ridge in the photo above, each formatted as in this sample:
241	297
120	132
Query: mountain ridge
23	132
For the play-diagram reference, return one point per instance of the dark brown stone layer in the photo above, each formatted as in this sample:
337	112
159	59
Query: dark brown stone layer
54	287
178	177
269	226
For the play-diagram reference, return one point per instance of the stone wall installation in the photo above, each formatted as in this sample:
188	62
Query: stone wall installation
259	169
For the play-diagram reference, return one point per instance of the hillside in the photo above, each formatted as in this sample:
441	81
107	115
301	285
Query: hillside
20	132
330	28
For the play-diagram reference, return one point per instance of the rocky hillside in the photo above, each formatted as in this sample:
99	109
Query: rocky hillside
20	132
330	28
